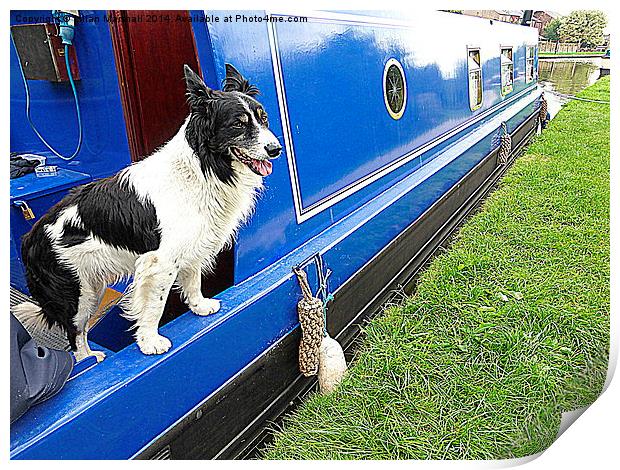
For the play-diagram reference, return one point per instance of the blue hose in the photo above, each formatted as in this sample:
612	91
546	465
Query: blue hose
77	107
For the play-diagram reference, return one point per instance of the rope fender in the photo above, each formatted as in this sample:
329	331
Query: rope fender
318	353
505	146
543	116
310	311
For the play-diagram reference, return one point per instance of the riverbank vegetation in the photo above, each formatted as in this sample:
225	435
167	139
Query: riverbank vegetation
570	54
507	328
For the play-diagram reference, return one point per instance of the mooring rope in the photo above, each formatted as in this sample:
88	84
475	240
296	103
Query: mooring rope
323	291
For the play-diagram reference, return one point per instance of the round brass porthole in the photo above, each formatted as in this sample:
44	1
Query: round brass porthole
394	88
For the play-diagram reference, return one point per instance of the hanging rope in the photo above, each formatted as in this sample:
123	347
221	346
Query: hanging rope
312	320
505	146
323	291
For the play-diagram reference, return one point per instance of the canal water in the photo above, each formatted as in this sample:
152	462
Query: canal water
566	76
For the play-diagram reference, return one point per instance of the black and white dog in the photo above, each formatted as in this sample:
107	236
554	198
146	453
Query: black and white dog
162	220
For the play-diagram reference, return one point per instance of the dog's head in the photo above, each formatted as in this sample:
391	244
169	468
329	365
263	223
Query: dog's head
228	129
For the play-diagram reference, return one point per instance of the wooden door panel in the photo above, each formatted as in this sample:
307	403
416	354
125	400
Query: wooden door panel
150	56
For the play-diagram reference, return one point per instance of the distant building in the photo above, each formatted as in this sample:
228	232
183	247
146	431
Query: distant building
508	16
511	16
540	19
488	14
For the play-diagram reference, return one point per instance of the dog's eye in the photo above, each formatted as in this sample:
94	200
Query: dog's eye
262	116
241	121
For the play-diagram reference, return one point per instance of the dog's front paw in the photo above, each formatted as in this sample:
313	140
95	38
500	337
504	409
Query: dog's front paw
153	344
206	307
99	355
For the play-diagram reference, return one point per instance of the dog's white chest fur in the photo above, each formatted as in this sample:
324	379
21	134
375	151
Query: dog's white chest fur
198	215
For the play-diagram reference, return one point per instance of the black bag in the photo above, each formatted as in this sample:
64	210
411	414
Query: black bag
37	373
22	166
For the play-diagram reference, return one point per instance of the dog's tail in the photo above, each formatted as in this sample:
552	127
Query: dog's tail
30	316
33	319
52	284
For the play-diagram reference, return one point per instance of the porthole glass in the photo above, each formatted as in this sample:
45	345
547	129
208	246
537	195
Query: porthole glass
394	88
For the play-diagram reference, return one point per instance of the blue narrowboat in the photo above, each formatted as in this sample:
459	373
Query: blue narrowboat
392	127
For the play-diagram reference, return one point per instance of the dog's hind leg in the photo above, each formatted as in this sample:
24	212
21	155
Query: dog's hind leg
87	306
153	278
189	281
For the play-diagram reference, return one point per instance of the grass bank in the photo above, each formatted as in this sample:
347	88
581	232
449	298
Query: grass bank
570	54
508	327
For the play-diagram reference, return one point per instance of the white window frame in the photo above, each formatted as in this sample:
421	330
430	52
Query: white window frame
472	71
506	88
530	73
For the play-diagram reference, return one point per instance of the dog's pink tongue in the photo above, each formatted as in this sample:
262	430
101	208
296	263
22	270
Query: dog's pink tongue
264	167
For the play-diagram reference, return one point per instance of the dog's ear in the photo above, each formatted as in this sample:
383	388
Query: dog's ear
234	81
196	88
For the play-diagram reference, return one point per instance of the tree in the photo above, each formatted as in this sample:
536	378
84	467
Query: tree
551	30
583	26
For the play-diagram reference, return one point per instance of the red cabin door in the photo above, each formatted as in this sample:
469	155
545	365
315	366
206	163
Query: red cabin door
150	53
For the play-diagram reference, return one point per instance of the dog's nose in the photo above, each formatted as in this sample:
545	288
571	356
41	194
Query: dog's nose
273	150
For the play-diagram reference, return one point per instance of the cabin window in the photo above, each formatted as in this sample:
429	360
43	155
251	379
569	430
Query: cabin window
507	70
529	64
474	70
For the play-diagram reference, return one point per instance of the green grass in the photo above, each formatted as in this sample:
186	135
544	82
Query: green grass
508	327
